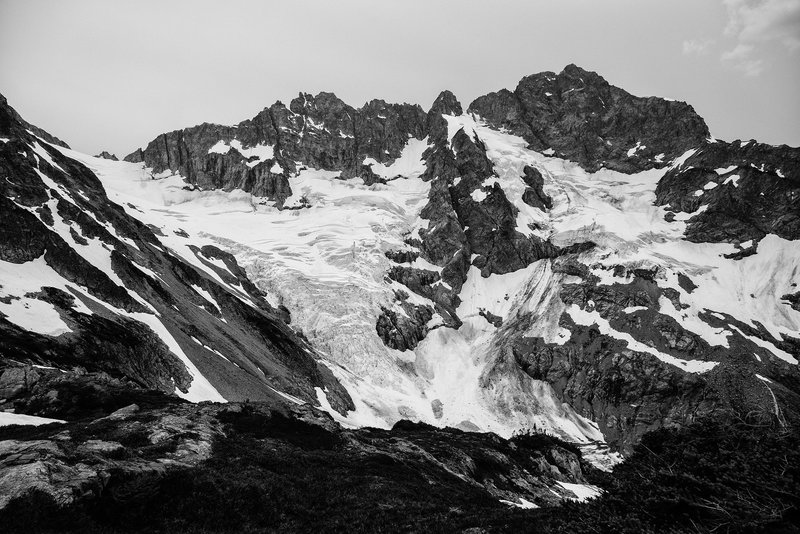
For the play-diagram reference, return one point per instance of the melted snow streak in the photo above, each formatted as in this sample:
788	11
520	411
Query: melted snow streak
326	263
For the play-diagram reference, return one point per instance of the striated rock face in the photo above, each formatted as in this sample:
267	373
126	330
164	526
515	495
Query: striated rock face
583	118
87	287
404	331
738	191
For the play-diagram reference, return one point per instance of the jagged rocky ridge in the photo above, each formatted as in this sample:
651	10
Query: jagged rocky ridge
580	116
318	131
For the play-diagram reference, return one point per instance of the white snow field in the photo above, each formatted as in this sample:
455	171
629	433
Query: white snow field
326	263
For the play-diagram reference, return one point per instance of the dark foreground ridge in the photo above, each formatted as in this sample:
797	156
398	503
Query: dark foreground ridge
159	463
264	468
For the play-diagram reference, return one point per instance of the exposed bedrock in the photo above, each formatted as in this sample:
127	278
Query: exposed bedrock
583	118
740	192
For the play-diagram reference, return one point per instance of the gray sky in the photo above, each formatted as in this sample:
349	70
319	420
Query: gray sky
112	75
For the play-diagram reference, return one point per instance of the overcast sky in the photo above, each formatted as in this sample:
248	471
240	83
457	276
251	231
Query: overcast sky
113	75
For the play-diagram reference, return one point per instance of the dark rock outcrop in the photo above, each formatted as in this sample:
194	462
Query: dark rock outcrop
747	190
469	224
404	330
534	195
793	299
10	120
585	119
317	131
105	155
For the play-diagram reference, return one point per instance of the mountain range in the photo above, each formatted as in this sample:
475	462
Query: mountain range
500	305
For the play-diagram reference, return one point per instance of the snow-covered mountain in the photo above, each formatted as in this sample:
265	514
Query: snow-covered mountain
565	256
86	286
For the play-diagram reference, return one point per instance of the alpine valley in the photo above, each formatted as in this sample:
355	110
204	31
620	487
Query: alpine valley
563	308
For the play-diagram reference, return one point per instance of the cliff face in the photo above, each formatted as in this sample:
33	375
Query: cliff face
258	154
737	192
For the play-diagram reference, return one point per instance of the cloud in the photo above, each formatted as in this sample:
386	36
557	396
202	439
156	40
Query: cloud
753	23
697	47
741	58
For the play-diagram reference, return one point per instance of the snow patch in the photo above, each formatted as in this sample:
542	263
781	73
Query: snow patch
733	179
479	195
261	152
523	503
639	146
408	165
8	418
583	492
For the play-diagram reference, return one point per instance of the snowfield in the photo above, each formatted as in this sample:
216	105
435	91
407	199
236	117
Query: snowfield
326	264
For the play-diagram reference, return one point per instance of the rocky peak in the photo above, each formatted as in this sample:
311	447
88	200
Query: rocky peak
579	75
383	129
581	117
11	122
325	107
446	104
105	155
